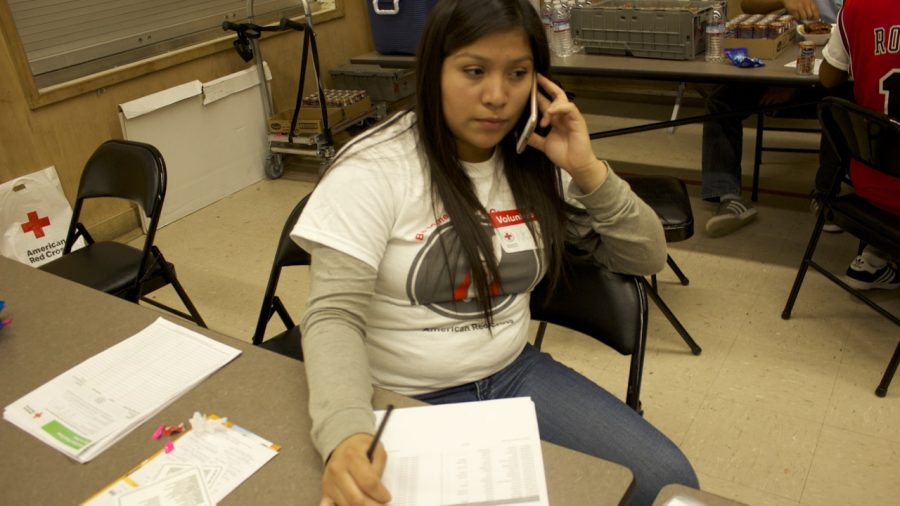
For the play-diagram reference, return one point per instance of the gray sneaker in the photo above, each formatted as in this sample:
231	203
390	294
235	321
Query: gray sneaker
732	214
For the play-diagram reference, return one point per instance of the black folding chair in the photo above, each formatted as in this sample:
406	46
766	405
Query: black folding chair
609	307
668	197
287	254
136	172
857	133
799	111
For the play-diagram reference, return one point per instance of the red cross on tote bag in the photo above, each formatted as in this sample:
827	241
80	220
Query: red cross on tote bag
34	218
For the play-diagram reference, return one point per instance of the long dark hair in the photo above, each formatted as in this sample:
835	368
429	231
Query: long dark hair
534	180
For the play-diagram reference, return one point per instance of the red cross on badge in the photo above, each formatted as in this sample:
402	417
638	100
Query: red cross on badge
35	224
508	236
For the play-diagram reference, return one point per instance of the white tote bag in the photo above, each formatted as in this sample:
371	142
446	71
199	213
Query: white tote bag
34	218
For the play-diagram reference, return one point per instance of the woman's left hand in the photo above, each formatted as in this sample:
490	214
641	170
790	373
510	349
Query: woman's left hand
567	144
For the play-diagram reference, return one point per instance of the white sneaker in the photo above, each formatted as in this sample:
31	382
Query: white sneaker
732	214
829	227
863	276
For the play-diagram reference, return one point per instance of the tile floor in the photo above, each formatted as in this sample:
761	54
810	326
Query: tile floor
772	412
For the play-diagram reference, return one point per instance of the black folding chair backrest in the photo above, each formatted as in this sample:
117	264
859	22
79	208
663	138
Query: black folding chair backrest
288	253
129	170
872	138
606	306
861	134
126	169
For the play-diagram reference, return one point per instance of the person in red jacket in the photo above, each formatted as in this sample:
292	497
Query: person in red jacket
865	45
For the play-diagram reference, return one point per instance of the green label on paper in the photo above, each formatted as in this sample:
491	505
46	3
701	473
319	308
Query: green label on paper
65	435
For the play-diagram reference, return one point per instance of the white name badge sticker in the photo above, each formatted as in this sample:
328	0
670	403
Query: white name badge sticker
511	231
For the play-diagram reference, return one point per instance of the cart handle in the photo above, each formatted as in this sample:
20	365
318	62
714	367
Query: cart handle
287	24
250	30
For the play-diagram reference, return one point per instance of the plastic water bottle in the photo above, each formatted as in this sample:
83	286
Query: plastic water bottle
546	14
562	29
715	32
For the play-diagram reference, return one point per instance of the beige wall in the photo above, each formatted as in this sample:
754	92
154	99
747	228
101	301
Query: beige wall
65	133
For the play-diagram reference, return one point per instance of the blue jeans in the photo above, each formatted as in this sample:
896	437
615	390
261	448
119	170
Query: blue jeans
723	139
575	413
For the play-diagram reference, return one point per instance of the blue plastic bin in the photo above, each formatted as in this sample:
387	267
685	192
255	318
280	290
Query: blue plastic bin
397	24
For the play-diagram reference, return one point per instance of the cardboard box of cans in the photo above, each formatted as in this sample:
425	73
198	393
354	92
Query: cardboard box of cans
764	36
341	106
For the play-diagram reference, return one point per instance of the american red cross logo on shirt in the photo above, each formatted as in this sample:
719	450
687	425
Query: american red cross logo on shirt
35	224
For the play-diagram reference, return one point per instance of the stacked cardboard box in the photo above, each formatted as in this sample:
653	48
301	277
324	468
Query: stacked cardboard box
341	106
765	37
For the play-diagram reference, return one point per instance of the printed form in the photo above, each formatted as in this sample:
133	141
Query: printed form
86	409
474	453
202	469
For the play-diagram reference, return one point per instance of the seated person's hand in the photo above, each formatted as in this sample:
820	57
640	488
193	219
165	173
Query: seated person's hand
802	9
777	96
349	477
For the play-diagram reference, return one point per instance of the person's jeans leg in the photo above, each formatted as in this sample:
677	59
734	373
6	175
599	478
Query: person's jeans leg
723	139
574	412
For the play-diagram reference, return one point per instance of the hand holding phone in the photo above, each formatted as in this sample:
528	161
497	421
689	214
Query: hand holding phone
522	141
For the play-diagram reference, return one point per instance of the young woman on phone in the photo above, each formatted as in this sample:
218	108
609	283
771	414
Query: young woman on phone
428	234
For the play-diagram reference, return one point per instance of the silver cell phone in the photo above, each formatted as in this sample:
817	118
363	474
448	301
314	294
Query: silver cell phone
532	119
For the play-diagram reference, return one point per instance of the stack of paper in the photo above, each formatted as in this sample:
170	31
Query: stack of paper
86	409
473	453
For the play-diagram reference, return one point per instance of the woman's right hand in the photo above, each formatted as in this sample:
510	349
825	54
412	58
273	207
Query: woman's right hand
350	479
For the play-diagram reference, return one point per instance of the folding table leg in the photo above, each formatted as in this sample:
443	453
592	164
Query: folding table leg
678	96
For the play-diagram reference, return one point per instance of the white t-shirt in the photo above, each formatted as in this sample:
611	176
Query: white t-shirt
834	52
424	331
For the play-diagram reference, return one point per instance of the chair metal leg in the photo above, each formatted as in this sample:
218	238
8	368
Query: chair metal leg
854	292
679	95
539	338
804	265
636	371
695	348
672	265
282	311
808	262
633	395
173	280
267	309
195	315
881	391
757	156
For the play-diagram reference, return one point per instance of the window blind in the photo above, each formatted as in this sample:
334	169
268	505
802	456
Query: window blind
60	34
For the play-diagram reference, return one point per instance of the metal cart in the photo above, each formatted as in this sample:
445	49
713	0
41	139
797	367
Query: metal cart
319	145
